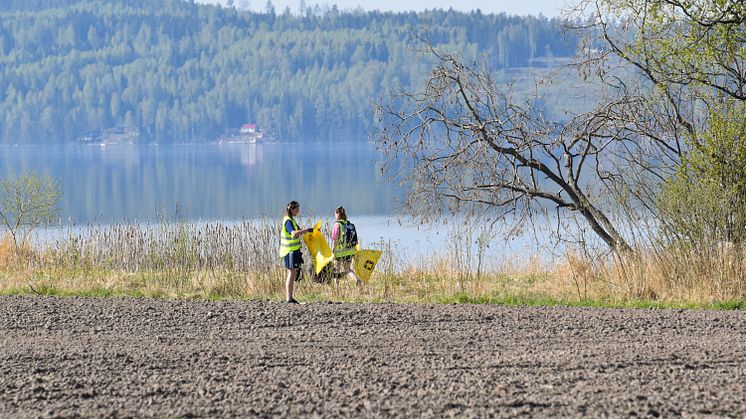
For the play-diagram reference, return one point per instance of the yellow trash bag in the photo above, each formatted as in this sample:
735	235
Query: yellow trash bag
318	248
365	262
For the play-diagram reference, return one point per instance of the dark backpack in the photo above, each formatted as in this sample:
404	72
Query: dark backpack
349	233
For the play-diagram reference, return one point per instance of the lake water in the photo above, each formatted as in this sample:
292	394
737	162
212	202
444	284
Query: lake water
225	182
208	182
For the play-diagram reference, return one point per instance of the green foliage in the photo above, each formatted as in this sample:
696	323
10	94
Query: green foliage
687	117
705	201
696	44
27	201
184	72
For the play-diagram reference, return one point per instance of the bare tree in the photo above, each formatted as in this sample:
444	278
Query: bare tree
673	44
463	143
690	55
688	63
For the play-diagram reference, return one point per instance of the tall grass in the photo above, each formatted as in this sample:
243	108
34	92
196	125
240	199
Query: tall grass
672	273
174	258
179	259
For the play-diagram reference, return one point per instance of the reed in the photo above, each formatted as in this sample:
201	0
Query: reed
179	259
673	273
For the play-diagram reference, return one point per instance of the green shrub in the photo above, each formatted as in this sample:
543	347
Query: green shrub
704	202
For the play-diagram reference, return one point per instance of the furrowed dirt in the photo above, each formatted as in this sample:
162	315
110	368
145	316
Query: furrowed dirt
140	357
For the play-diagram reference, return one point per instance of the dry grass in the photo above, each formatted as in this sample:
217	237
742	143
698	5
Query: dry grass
183	260
7	252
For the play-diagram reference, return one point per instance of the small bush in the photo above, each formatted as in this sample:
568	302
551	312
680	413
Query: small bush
26	202
704	203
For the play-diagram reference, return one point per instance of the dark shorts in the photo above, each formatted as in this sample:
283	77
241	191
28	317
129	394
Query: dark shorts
293	259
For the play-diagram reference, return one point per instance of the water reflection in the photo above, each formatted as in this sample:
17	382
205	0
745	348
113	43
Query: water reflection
209	181
253	181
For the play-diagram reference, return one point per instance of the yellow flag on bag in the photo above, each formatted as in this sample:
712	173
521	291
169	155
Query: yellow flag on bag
318	248
365	262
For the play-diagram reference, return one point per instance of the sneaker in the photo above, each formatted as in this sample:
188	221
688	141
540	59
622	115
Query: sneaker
291	301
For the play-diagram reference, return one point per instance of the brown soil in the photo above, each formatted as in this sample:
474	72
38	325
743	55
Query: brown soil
140	357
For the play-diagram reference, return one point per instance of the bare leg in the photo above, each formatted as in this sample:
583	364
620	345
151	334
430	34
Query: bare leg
337	267
351	272
292	274
354	276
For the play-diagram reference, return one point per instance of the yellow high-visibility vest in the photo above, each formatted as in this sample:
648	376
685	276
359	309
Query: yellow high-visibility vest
287	242
341	248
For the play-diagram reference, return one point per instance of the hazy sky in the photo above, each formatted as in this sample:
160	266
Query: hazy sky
549	8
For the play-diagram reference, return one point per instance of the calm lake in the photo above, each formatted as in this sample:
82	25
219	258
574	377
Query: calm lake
228	182
207	181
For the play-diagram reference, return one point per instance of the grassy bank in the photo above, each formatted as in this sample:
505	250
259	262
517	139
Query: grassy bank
215	261
490	289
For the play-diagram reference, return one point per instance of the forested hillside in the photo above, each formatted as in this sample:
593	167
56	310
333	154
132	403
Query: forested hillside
177	71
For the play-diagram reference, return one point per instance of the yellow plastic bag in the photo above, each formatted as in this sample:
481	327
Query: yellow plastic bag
318	248
365	262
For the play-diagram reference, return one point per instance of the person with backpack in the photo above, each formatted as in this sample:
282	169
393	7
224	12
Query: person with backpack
290	235
344	237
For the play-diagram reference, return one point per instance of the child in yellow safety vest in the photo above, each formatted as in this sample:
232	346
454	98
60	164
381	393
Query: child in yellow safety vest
290	235
344	248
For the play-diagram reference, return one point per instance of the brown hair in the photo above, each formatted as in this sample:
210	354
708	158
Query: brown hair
290	207
341	212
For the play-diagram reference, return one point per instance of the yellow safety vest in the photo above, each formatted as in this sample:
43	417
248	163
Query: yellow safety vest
340	248
287	242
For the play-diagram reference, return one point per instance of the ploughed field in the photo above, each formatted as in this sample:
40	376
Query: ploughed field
140	357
